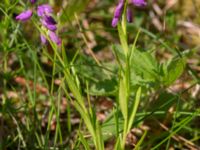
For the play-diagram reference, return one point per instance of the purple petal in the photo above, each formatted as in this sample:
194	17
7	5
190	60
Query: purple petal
118	13
139	3
24	16
129	15
54	38
49	20
114	22
43	39
51	27
44	10
119	9
33	1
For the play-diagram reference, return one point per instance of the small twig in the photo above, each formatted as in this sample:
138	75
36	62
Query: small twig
179	138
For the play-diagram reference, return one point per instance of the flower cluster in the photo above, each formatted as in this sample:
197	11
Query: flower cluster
120	7
44	12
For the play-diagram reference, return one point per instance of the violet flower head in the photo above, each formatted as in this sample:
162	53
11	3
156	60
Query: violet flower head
24	16
33	1
54	38
44	10
139	3
129	15
48	23
118	13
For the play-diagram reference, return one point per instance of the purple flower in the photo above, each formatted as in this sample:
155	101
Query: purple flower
119	9
139	3
49	20
49	23
24	16
54	38
129	15
49	26
33	1
44	10
118	13
115	22
43	39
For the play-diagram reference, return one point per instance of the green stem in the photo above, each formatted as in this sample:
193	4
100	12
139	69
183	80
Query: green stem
125	77
124	23
5	66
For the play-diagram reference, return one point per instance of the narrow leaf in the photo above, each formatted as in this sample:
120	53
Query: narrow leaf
135	107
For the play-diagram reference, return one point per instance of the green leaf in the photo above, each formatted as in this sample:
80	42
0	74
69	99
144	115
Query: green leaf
137	146
123	97
102	79
135	107
144	68
109	127
173	70
107	87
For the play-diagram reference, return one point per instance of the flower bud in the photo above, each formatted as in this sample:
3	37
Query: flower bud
129	15
24	16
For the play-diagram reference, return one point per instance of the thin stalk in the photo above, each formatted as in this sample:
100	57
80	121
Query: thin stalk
52	103
5	68
58	128
126	75
124	85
